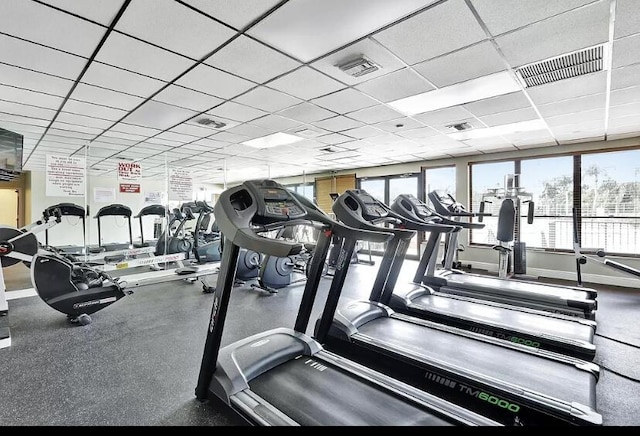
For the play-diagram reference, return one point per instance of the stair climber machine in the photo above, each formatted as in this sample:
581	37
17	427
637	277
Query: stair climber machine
567	300
508	382
283	376
533	328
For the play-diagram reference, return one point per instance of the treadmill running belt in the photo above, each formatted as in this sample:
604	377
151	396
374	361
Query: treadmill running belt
528	371
507	318
313	392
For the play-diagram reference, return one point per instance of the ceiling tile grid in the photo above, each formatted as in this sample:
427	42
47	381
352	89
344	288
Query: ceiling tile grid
196	79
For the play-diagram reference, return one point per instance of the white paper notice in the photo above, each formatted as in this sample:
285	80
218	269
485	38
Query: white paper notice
65	176
180	185
154	197
104	195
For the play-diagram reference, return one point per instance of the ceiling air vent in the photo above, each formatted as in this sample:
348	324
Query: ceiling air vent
358	67
460	126
211	123
328	150
562	67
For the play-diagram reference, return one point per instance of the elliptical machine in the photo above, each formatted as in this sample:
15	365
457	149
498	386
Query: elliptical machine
176	241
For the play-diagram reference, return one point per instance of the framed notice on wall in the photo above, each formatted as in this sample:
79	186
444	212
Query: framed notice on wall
129	175
66	176
180	185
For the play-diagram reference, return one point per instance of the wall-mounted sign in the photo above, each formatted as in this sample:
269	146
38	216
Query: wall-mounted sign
128	174
180	185
66	176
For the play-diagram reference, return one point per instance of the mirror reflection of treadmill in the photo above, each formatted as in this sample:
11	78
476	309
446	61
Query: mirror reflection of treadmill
68	210
114	210
567	300
283	376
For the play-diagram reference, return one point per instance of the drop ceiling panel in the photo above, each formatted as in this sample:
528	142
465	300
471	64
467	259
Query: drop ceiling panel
305	83
250	59
82	120
503	15
501	103
397	125
624	110
171	137
236	111
98	111
44	27
267	99
450	24
626	51
396	85
187	98
250	131
418	133
375	114
510	117
466	64
109	77
91	131
334	139
623	96
95	10
26	110
18	95
193	130
276	123
443	116
137	56
627	18
594	83
585	117
21	120
236	14
214	82
94	94
169	24
158	115
589	26
346	100
14	76
337	124
596	101
364	132
230	137
306	113
445	127
38	58
622	77
300	28
139	131
64	132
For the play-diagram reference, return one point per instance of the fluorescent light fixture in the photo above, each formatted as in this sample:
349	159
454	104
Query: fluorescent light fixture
505	129
273	140
465	92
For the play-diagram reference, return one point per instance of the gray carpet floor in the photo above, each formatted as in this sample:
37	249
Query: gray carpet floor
137	363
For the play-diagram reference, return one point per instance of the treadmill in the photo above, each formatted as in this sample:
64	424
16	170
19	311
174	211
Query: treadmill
67	209
283	376
568	300
536	329
511	383
113	210
151	210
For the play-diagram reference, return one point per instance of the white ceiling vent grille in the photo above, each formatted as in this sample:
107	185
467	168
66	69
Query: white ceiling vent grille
211	123
359	67
563	67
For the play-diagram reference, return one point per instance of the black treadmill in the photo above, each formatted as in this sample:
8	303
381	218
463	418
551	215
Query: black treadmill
537	329
283	376
113	210
508	382
67	209
151	210
568	300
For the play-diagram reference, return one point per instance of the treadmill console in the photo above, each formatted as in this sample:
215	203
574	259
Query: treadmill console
275	203
372	209
419	208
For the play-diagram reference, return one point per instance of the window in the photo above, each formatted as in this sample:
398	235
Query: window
484	178
305	189
405	185
440	179
375	187
610	201
550	183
